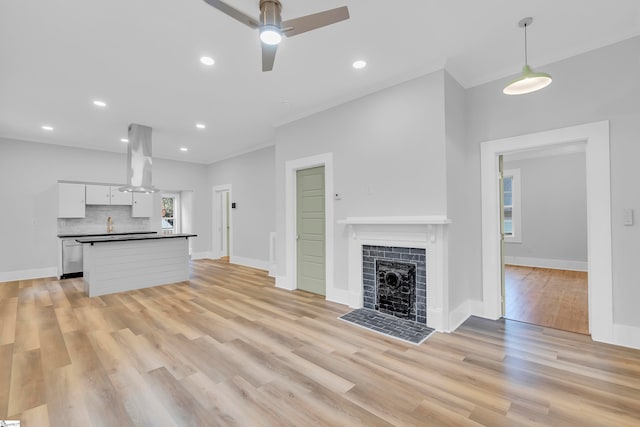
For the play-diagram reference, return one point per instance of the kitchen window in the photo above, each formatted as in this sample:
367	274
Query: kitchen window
170	213
511	200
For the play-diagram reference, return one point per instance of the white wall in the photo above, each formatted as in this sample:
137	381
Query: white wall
388	158
29	173
190	180
252	179
460	280
554	209
595	86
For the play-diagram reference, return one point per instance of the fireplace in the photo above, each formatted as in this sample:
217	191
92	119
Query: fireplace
394	281
421	241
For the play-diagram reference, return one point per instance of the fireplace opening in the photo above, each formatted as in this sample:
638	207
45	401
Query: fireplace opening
396	288
402	273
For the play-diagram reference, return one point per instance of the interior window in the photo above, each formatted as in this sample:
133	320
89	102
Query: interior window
511	197
508	206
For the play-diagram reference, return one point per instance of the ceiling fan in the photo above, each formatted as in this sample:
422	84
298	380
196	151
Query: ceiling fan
272	28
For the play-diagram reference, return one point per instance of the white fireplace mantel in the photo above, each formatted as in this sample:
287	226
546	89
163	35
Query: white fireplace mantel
427	232
395	220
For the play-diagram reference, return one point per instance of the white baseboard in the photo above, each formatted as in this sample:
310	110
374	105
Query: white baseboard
249	262
36	273
626	336
201	255
272	270
461	313
341	296
283	283
356	300
558	264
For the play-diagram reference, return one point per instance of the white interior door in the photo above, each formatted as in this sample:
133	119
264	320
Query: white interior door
224	228
502	268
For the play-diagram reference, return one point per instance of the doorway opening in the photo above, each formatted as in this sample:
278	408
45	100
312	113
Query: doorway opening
225	228
544	229
222	234
599	248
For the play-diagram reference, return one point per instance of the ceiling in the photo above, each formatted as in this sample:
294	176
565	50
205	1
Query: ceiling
141	57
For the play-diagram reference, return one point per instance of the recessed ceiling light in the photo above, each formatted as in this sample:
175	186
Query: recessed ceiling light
184	149
124	140
207	60
47	127
200	126
99	103
359	64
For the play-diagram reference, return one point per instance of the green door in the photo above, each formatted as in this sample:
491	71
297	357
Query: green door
310	222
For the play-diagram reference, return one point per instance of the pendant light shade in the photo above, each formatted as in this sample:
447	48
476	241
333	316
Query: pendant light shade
529	81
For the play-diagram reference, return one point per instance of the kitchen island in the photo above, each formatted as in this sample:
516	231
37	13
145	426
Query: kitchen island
119	263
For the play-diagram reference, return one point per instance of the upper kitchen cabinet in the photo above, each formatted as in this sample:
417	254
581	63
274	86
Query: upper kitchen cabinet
142	205
107	195
71	200
120	197
98	194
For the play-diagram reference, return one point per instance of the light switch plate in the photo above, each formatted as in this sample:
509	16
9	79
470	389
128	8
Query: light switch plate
627	216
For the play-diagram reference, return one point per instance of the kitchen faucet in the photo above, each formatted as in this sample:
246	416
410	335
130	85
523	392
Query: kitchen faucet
109	225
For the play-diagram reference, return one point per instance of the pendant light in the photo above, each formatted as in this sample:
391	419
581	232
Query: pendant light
529	81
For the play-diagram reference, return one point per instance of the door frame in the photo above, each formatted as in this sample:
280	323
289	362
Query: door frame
216	236
600	273
291	167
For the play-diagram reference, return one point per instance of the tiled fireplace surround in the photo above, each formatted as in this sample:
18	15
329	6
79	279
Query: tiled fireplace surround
426	236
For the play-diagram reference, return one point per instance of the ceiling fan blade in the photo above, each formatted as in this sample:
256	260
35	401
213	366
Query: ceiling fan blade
306	23
234	13
268	56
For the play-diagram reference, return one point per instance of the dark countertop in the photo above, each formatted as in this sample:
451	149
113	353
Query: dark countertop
127	237
62	236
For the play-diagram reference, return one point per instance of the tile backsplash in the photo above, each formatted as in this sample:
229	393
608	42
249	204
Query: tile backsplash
95	221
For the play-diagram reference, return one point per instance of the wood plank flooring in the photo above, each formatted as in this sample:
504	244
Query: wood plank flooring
227	348
547	297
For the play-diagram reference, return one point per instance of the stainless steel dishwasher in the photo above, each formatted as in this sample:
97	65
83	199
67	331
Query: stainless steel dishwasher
71	258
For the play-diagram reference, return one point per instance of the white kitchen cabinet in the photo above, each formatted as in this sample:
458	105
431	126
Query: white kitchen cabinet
107	195
98	194
71	200
120	197
142	205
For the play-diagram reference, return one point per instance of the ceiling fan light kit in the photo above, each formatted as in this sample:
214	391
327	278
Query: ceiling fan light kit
529	81
270	34
272	28
270	22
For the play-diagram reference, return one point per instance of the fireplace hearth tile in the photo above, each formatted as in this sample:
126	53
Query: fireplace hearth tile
392	326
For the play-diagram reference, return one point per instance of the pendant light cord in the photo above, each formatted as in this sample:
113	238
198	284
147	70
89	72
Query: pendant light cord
525	44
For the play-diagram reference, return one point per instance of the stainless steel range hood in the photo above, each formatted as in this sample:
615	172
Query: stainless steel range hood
139	160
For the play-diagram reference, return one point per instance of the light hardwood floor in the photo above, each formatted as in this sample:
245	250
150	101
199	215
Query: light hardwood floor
547	297
228	348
